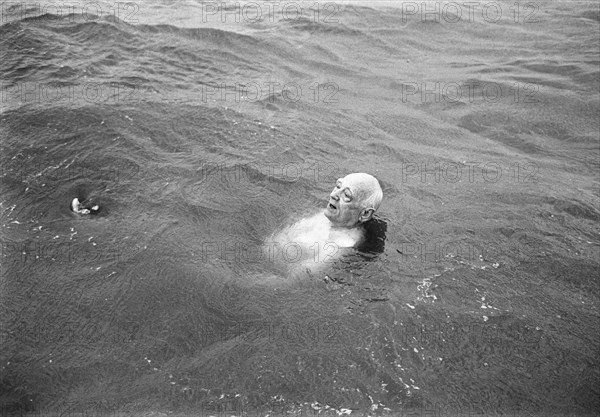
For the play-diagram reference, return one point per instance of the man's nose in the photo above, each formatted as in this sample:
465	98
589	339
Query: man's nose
334	194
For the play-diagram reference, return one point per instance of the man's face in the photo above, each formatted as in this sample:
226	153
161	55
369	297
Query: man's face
346	201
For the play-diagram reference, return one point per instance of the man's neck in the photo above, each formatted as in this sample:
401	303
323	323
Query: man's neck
345	236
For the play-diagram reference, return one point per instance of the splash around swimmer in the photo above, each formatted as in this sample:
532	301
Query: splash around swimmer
85	207
320	239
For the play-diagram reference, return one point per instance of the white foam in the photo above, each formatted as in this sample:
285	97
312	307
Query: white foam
311	243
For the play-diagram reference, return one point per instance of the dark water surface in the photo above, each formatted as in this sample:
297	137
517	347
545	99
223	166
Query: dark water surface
200	138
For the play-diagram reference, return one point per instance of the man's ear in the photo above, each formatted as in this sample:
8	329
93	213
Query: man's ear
365	215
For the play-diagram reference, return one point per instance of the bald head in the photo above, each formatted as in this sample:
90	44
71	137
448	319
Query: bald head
354	200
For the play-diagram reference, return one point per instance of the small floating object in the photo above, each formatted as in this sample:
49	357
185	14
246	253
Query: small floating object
79	208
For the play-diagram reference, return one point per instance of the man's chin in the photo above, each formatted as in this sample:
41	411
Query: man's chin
329	215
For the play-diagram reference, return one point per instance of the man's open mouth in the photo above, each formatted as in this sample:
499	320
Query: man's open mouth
331	206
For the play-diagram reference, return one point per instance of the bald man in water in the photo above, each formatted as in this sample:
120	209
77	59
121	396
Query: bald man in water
353	200
320	238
